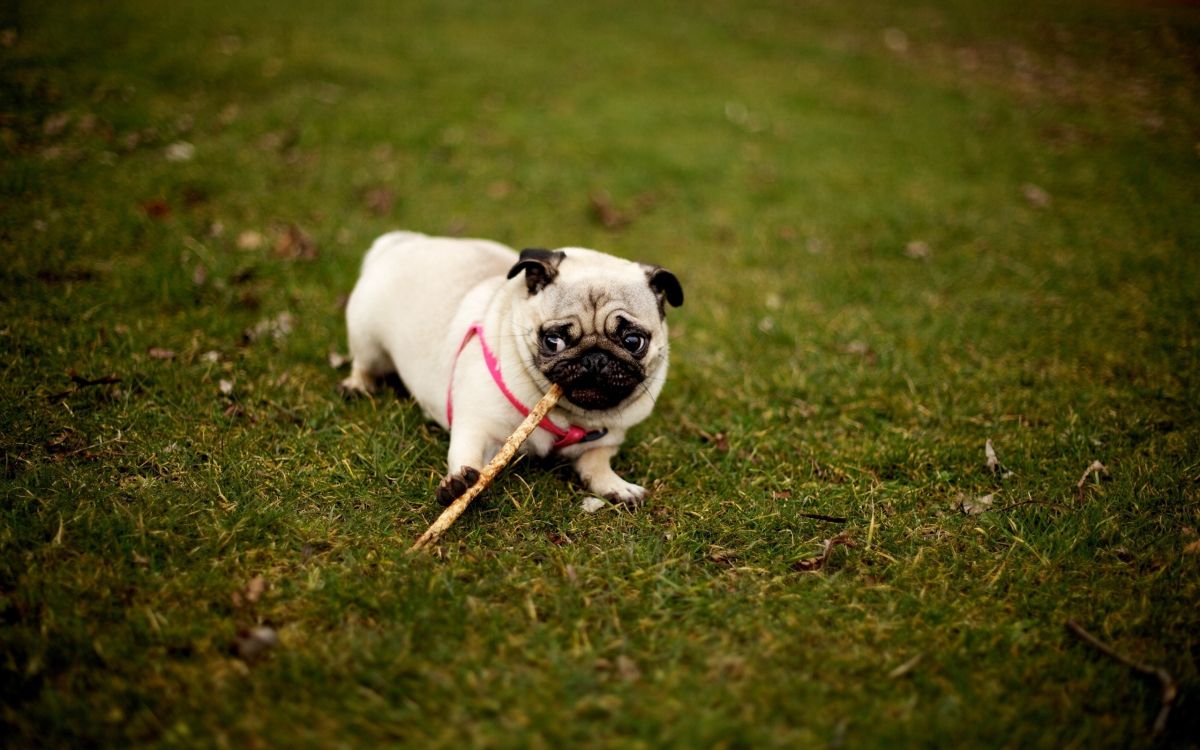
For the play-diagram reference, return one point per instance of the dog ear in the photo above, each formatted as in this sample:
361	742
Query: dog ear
665	285
540	267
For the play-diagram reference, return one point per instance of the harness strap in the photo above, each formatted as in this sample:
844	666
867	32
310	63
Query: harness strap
570	436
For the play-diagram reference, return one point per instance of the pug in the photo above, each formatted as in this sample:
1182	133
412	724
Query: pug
477	333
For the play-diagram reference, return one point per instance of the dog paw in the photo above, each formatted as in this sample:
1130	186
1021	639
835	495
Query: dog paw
355	387
454	485
624	493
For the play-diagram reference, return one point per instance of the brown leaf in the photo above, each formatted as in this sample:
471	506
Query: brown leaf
294	244
499	190
628	669
606	213
816	563
973	506
278	328
56	124
721	556
250	240
1035	196
254	589
918	250
1097	468
179	151
720	441
379	200
67	441
253	643
157	352
156	208
1192	548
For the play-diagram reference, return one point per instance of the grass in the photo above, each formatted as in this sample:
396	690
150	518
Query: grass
782	159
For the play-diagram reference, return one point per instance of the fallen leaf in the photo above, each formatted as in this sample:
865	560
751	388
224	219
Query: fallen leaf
179	151
816	563
918	250
379	200
157	352
1097	468
721	556
156	208
254	589
895	40
294	244
252	643
720	441
723	667
250	240
974	506
499	190
278	328
606	213
861	349
1035	196
993	461
67	441
1192	548
628	669
593	504
56	124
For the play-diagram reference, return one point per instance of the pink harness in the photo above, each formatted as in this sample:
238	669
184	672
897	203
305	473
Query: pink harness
570	436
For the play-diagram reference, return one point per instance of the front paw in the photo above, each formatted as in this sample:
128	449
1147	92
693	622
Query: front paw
620	492
454	485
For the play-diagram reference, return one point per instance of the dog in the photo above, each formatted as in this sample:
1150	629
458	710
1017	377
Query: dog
477	333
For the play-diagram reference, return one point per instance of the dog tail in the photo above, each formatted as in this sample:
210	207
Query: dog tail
388	240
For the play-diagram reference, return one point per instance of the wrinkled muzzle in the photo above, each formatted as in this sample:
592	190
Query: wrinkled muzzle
595	379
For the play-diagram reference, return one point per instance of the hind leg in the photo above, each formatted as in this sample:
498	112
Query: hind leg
370	362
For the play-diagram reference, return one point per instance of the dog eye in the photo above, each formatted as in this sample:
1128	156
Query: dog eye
553	343
634	343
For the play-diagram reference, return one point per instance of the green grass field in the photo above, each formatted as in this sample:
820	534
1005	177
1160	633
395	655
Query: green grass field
903	231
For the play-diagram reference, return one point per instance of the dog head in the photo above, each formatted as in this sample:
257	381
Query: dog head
593	323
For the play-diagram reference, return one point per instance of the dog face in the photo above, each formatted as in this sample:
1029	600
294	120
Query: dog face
592	323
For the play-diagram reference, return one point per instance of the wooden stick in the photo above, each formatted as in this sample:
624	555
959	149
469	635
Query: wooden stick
489	472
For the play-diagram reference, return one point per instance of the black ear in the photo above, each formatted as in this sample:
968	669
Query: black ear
665	285
540	267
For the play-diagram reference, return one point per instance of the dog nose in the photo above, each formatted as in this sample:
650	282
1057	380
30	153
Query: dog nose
594	362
